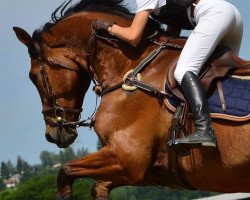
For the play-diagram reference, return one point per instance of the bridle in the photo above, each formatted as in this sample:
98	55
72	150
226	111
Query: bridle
59	111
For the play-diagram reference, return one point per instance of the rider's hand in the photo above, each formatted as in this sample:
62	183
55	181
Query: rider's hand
101	24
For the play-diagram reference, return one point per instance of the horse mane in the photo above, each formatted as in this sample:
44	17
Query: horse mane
108	6
66	9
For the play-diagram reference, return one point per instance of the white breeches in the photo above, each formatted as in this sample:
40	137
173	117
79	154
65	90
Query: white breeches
218	22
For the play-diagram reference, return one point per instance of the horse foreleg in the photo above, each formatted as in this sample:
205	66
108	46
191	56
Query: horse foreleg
101	189
102	165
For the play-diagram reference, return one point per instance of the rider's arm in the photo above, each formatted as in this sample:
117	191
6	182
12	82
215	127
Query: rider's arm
133	33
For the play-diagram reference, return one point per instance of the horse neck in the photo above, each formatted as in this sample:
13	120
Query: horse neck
109	64
112	63
72	35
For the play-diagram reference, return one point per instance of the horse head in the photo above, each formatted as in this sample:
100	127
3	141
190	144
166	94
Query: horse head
61	80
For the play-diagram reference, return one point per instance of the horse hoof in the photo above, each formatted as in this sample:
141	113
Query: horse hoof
102	198
64	197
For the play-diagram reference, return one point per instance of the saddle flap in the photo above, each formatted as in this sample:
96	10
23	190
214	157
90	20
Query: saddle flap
171	83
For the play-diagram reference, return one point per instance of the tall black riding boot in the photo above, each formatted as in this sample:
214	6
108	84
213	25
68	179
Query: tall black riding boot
196	97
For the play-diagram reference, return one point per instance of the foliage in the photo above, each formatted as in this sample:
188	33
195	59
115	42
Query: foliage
47	158
37	188
4	170
99	145
66	155
21	165
7	169
2	186
11	168
6	194
82	188
43	186
82	152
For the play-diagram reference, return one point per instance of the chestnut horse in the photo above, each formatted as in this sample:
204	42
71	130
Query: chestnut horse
132	126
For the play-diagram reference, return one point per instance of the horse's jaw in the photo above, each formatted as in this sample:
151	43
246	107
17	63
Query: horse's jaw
62	137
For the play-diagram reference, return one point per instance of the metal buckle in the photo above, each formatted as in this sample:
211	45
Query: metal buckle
128	83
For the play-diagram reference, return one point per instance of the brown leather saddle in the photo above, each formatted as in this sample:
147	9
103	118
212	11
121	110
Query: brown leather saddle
221	63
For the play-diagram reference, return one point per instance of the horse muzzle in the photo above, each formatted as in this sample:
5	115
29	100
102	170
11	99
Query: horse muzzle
63	137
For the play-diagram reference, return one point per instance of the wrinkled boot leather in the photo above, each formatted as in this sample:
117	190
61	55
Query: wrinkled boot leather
196	97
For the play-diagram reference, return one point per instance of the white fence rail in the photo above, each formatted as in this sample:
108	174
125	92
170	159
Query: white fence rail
232	196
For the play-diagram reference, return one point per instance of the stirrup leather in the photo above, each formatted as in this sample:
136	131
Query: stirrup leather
178	127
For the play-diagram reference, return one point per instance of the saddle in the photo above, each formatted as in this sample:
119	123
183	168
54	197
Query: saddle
221	63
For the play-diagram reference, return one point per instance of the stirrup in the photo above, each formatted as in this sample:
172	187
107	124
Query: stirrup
197	140
178	123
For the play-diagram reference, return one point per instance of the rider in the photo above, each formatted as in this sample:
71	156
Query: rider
212	22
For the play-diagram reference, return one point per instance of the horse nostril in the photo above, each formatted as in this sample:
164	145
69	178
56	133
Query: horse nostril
49	138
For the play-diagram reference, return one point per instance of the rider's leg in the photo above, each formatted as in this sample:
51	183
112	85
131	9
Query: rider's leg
215	20
197	100
234	37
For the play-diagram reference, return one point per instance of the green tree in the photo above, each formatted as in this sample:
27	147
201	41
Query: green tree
22	165
39	187
82	152
19	164
11	168
82	189
67	154
98	145
55	158
2	186
6	194
4	170
46	158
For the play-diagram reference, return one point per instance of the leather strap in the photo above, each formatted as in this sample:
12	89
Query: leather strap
221	95
141	67
148	59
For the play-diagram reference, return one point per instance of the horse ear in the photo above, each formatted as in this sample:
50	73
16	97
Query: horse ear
24	37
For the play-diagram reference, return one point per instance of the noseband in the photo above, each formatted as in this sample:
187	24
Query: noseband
59	111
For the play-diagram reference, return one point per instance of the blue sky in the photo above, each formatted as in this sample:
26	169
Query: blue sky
21	121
